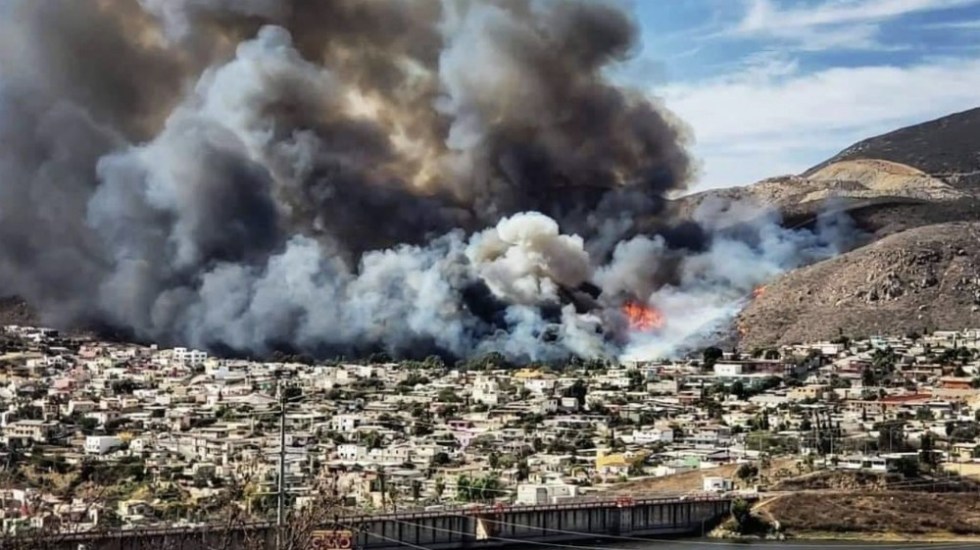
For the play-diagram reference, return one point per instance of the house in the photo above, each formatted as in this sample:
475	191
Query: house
189	357
536	493
38	431
618	464
715	484
646	436
809	391
101	444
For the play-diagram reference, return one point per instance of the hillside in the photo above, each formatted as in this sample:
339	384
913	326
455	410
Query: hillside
889	515
914	192
14	311
945	148
918	279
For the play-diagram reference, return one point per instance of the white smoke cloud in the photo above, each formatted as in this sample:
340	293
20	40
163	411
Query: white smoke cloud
749	248
224	193
524	259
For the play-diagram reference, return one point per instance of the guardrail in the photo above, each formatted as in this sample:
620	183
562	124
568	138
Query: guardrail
471	509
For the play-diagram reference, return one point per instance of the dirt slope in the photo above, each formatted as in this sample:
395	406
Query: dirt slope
890	514
947	148
923	278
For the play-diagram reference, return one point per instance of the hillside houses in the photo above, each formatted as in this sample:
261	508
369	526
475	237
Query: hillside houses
184	425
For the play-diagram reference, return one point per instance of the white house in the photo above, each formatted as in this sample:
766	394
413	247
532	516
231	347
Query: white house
728	369
646	436
716	484
189	357
101	444
532	493
486	390
540	386
345	423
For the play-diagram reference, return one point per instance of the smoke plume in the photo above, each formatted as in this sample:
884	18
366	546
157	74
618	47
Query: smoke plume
335	177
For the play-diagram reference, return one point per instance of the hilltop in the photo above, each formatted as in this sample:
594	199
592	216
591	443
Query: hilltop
945	148
913	193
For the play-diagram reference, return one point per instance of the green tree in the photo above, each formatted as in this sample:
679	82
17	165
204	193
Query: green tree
747	471
579	390
742	514
710	356
738	389
891	436
88	425
927	451
523	470
448	395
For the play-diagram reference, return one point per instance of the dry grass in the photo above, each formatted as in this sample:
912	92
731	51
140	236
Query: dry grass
881	513
684	482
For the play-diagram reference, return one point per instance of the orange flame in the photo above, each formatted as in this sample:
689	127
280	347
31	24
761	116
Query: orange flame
643	318
758	291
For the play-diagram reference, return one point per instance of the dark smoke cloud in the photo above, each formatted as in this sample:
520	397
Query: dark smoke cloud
332	176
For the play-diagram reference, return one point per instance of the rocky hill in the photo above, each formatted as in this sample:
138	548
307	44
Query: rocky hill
914	192
14	311
945	148
918	279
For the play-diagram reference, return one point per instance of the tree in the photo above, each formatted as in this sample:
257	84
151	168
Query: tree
448	395
923	413
88	425
738	389
868	377
908	467
711	355
636	380
742	514
579	390
891	436
493	459
440	459
523	470
927	453
440	488
371	440
747	471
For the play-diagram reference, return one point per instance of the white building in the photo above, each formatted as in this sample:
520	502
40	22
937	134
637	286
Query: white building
189	357
532	494
647	436
34	430
101	444
486	390
728	369
540	385
344	423
715	484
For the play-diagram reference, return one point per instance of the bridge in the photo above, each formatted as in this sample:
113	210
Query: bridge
620	518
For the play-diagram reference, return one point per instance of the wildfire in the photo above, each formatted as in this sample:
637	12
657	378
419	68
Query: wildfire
643	318
758	291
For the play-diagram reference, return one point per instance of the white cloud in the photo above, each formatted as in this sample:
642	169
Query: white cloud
956	25
832	24
767	122
764	14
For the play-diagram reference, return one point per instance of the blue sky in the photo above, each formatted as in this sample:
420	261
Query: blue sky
771	87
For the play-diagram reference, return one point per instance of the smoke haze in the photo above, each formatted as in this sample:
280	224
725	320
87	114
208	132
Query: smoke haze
346	176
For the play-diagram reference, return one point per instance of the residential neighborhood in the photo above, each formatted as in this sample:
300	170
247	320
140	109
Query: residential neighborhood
99	434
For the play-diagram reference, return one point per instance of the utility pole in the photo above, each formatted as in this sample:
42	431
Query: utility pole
281	490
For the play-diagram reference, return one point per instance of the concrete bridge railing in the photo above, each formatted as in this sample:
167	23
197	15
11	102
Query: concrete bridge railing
462	527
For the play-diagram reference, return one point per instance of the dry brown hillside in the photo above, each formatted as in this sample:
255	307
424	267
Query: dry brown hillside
919	279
